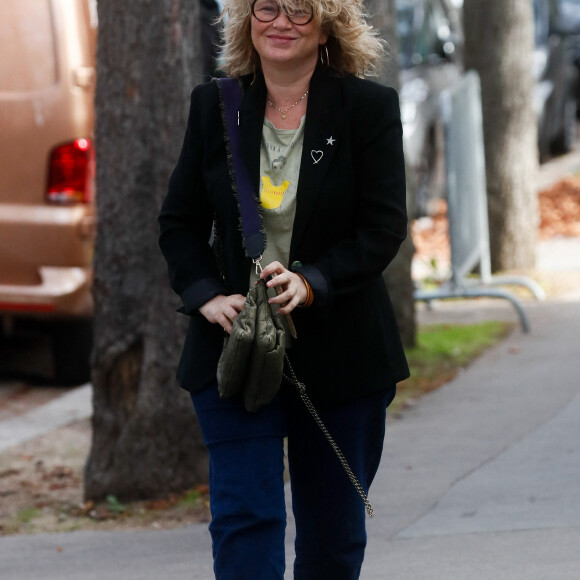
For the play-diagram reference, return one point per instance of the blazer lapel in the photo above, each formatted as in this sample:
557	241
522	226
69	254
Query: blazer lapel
322	134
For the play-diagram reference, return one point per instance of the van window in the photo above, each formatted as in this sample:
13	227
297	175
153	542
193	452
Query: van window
27	51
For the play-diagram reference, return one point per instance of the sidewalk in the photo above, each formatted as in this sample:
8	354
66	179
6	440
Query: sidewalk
75	405
482	478
479	480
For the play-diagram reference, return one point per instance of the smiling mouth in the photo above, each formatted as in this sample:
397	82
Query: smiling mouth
281	38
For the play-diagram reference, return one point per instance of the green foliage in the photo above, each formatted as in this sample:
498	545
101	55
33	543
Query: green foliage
440	343
27	515
191	498
114	505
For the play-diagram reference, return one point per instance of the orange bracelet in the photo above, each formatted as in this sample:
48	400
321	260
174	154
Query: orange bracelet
309	293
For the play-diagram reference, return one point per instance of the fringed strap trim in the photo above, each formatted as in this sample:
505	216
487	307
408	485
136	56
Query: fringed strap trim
254	237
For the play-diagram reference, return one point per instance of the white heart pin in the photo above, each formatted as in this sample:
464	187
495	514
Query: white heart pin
316	155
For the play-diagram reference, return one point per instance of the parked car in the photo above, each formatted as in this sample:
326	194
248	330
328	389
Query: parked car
429	52
555	95
47	215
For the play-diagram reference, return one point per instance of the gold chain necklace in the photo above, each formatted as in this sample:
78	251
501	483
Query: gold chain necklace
284	112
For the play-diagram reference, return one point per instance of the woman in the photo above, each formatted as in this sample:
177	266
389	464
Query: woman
324	150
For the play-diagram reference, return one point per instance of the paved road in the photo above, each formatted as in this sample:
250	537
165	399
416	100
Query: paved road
480	480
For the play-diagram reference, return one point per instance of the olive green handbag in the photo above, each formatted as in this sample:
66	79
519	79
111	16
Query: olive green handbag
252	359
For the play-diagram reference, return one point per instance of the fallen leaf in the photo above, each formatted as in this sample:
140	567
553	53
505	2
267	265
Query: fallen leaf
9	473
87	507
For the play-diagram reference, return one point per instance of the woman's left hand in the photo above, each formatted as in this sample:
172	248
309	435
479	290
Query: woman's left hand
294	290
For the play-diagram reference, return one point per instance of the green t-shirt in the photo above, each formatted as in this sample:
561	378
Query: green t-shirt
280	154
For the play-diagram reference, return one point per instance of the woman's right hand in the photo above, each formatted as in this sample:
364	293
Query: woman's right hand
223	310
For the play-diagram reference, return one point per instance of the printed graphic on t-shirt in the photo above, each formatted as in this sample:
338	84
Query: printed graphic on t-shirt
272	195
278	164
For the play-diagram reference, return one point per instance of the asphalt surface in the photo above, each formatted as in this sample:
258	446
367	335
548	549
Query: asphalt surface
479	479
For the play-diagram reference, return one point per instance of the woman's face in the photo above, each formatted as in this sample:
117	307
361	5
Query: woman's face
281	42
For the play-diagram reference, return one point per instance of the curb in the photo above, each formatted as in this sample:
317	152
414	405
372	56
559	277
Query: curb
73	406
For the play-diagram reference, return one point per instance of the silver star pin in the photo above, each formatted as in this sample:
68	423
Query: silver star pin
330	141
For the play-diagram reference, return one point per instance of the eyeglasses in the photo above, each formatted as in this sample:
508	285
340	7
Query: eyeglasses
268	11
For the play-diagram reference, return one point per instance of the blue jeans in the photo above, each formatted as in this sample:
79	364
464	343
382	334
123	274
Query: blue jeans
246	462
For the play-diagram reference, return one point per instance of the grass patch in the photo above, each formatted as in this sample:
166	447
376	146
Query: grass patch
443	349
26	516
191	498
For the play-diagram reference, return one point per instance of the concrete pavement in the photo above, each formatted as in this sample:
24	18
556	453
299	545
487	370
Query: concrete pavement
75	405
479	480
482	478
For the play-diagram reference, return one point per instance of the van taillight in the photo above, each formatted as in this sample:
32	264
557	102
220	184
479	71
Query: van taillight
70	173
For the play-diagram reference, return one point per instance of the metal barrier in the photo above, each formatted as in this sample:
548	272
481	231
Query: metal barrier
467	204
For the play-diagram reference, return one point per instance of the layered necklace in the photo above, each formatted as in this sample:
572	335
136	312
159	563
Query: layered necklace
284	112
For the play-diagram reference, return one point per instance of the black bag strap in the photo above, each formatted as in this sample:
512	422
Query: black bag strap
301	387
251	220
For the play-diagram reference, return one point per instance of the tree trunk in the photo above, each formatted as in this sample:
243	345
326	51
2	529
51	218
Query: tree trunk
499	45
146	442
398	275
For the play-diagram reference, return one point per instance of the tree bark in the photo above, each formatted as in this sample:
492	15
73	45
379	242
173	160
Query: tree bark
146	442
398	275
499	45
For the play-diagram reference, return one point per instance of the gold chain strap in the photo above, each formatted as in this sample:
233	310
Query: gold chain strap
302	392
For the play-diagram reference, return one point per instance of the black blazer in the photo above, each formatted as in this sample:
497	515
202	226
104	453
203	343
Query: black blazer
350	221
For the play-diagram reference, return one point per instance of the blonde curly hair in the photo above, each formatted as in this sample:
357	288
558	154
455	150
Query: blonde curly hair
353	45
